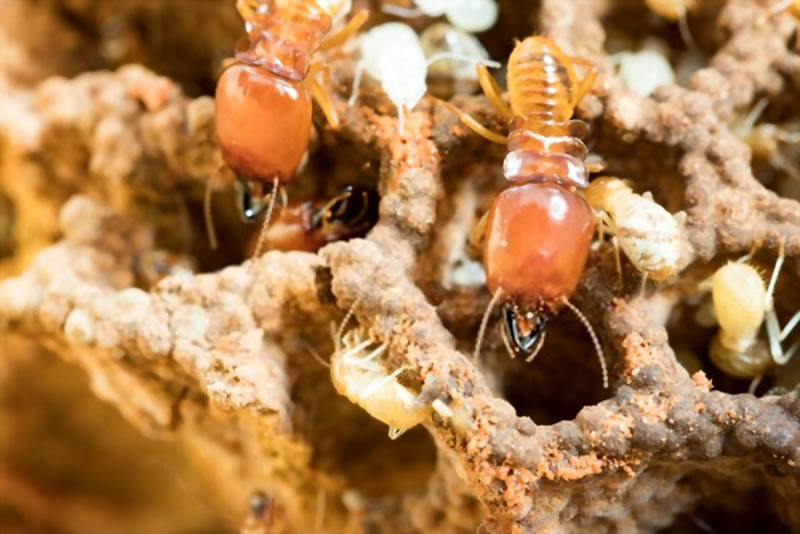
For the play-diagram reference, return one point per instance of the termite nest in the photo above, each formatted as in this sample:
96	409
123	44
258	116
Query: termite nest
400	266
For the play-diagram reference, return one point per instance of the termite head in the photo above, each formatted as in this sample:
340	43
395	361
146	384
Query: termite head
251	198
601	191
524	329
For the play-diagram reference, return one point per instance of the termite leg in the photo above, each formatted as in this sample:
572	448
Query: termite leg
474	125
245	9
617	261
475	240
643	285
493	91
596	166
350	29
321	96
774	332
356	83
585	85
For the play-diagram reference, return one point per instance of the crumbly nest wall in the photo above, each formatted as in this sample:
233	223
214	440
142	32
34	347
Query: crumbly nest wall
103	166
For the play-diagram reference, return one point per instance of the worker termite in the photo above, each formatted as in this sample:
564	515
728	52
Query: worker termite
537	233
449	76
263	100
471	16
742	304
676	11
308	226
392	53
648	234
358	373
768	141
645	70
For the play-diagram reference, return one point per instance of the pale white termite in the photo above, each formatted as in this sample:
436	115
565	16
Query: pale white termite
442	39
392	53
647	69
472	16
647	233
742	303
769	141
359	373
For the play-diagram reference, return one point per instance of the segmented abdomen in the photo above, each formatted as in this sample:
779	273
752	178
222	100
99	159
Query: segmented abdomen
539	83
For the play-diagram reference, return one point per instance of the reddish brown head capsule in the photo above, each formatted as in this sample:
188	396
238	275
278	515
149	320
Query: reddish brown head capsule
536	245
307	226
263	124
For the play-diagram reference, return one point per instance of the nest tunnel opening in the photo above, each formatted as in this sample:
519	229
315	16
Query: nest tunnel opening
349	443
564	377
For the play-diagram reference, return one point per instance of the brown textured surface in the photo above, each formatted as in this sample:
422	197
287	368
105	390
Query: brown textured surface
110	169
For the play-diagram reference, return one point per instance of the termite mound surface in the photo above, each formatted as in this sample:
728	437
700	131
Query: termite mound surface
212	354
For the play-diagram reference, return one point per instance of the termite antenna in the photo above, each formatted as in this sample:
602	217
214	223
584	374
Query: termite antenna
209	216
686	34
262	238
314	354
600	356
348	316
485	322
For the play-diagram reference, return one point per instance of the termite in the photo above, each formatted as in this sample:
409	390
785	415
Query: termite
537	233
471	16
647	233
358	372
768	141
263	100
443	39
742	303
392	54
308	226
647	69
676	11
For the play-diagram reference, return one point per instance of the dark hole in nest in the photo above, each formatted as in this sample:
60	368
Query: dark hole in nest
563	378
713	518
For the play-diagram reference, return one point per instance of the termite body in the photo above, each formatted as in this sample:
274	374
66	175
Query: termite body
537	233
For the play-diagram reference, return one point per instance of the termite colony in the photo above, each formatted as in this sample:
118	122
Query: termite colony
493	222
535	238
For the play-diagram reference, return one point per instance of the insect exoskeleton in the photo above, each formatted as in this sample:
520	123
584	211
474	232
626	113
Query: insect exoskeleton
308	226
537	233
647	233
468	15
358	372
263	99
770	142
450	76
742	303
392	54
647	69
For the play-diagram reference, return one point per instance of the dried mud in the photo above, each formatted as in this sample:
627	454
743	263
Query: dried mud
103	166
